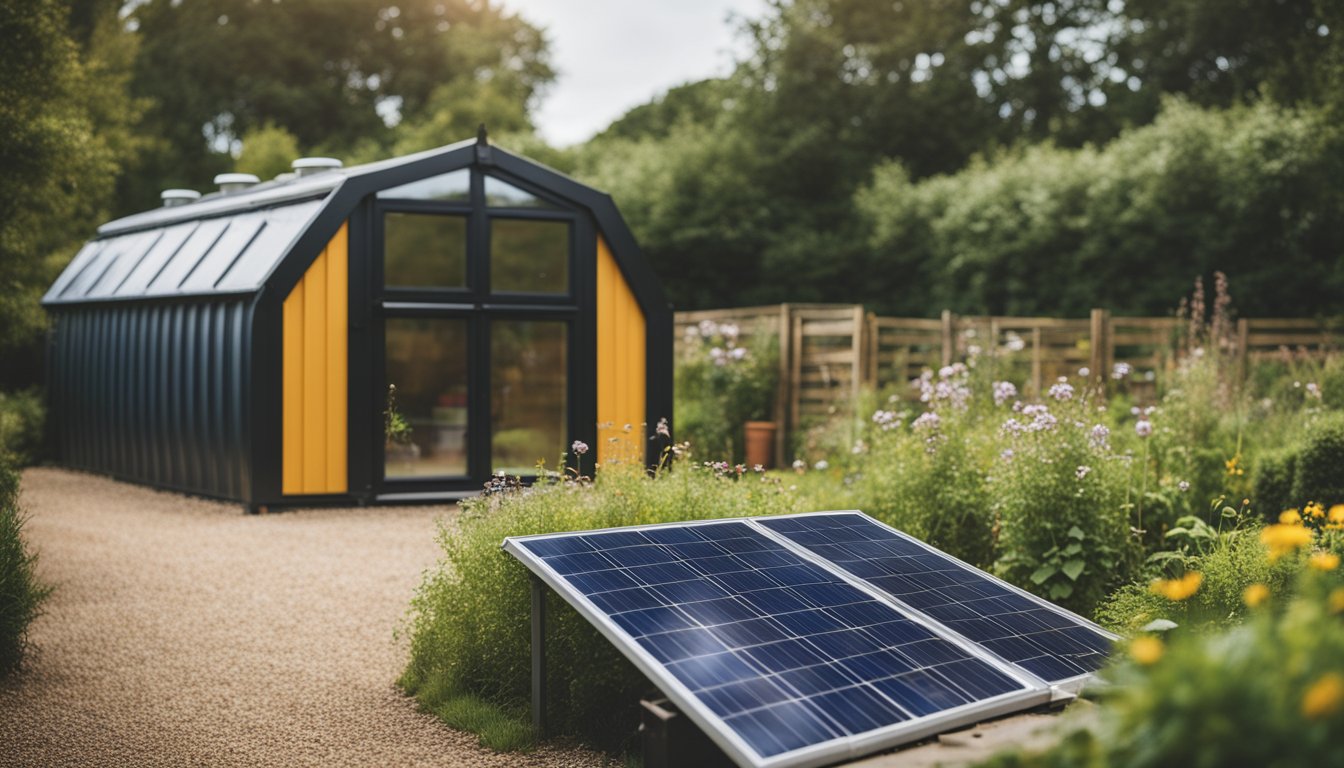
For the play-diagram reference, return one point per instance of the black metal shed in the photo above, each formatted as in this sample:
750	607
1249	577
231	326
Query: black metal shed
242	345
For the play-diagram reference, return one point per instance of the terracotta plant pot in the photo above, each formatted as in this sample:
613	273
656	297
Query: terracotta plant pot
760	443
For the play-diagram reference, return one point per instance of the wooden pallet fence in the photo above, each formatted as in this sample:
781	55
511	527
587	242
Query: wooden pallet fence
829	352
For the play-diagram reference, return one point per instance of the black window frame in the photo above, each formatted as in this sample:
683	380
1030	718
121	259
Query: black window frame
480	306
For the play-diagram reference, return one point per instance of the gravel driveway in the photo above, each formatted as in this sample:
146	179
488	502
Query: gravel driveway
183	632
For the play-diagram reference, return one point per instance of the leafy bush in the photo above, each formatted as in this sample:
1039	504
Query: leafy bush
1062	505
22	419
469	623
722	381
1248	190
1319	474
20	594
1273	489
1235	560
1268	692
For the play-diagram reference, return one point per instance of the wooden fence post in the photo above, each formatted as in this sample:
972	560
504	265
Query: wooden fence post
858	345
874	348
1243	347
948	339
795	368
1036	373
1100	344
783	389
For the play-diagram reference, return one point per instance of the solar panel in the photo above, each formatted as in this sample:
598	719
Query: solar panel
778	656
1050	642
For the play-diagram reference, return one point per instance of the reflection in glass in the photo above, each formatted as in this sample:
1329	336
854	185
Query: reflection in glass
428	250
427	363
503	194
529	256
447	187
527	394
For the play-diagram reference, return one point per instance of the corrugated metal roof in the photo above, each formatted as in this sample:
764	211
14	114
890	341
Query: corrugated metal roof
223	243
200	256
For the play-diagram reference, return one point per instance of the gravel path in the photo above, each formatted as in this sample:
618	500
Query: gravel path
183	632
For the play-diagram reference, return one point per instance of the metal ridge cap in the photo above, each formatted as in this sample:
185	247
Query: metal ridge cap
264	196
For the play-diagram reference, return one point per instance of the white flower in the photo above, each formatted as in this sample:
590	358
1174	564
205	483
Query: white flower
799	465
728	330
820	465
1084	372
738	353
1004	391
579	447
1082	471
1313	390
1144	427
1061	391
1121	370
1006	454
929	421
1184	486
1100	437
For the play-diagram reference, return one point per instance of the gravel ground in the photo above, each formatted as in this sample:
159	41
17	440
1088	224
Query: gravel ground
183	632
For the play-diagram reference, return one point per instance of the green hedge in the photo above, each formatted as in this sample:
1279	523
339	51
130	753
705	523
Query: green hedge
20	594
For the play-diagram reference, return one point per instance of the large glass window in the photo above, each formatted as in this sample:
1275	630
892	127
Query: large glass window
528	394
529	256
426	419
502	194
452	187
424	250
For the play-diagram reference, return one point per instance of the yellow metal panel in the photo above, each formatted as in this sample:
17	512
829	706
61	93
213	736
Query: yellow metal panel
315	374
338	271
292	400
620	363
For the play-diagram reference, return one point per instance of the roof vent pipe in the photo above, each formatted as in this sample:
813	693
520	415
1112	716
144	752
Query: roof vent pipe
307	166
235	182
175	197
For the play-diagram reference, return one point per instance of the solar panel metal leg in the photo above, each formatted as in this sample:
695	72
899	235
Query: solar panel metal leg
539	657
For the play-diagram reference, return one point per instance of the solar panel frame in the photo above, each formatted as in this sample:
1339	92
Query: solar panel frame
1064	686
1033	692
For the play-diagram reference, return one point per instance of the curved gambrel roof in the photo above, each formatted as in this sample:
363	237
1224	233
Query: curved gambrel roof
266	236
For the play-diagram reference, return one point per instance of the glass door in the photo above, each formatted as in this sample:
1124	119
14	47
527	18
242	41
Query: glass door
476	312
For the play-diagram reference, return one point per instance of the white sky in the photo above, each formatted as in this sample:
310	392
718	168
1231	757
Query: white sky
612	55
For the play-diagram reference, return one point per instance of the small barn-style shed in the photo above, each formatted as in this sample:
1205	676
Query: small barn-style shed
388	332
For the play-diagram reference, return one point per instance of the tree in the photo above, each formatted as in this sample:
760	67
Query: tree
338	75
65	133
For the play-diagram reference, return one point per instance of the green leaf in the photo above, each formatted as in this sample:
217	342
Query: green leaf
1073	549
1229	512
1077	533
1060	590
1043	573
1073	569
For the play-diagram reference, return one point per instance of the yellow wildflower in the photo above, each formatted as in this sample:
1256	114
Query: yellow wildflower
1284	539
1178	589
1337	600
1255	595
1324	696
1290	517
1234	466
1337	513
1314	509
1324	561
1146	650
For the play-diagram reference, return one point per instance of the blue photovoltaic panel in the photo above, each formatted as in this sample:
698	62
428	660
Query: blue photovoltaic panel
1047	641
781	651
